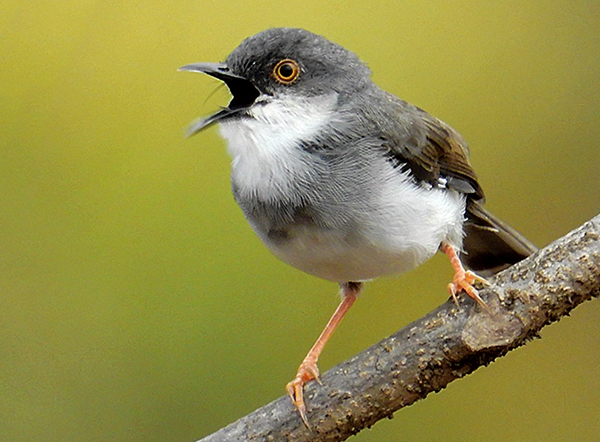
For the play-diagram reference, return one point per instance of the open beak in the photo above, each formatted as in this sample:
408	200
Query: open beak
243	91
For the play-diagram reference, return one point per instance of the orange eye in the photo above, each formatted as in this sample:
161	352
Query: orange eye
286	71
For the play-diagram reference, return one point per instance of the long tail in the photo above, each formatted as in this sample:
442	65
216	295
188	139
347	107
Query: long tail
490	245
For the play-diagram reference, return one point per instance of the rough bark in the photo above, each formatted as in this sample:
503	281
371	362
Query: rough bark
446	344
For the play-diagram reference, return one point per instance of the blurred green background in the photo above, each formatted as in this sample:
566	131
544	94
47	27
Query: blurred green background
135	302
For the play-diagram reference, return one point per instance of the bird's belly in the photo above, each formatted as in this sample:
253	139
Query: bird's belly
391	232
334	256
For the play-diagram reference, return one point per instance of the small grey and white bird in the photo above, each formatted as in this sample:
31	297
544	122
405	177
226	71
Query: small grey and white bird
344	180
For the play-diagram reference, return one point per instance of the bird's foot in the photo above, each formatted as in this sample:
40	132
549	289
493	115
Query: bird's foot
464	280
307	371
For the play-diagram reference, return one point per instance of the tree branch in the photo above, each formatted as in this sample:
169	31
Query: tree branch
445	345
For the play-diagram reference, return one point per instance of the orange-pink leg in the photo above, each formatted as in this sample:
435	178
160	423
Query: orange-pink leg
463	280
308	368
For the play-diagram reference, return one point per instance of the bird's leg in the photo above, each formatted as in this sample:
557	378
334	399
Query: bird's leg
308	368
463	279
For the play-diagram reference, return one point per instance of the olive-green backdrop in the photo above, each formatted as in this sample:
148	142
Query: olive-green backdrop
135	302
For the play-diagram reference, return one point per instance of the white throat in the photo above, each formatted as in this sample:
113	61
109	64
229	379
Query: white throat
265	146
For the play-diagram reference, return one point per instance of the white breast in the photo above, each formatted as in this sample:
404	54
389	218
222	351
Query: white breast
266	157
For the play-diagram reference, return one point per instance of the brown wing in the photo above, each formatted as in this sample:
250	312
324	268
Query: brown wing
432	150
447	153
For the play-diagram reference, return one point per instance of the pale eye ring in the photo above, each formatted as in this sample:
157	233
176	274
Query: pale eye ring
286	71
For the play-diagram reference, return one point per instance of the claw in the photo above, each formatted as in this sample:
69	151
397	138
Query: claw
307	371
463	280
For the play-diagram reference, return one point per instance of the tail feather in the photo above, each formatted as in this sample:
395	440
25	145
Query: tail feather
490	245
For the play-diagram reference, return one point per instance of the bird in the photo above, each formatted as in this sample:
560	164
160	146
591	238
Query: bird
345	181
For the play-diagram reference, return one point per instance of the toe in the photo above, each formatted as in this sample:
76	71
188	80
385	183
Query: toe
295	389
